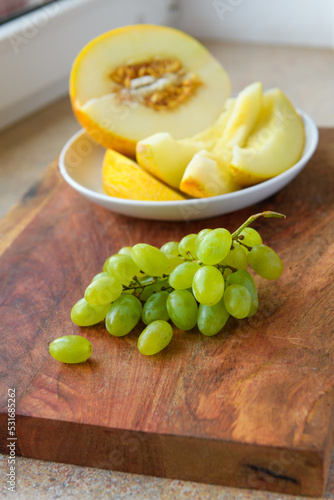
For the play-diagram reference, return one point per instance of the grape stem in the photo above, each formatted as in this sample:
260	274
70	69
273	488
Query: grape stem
252	218
137	286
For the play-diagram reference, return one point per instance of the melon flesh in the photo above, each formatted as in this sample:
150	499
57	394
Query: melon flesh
96	102
123	178
209	173
275	144
167	158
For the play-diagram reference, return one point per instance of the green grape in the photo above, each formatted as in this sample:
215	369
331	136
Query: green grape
214	246
250	237
173	262
242	247
71	349
227	272
200	237
100	275
170	248
182	276
208	285
125	251
155	337
212	319
150	259
245	279
155	308
155	287
237	300
106	263
123	315
235	258
182	309
187	246
265	262
123	268
84	314
103	290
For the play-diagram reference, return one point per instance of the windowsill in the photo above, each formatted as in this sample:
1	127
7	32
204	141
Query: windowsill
38	49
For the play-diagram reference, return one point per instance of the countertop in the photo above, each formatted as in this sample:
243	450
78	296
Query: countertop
306	76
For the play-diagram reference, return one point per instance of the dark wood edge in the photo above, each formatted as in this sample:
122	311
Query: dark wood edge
175	457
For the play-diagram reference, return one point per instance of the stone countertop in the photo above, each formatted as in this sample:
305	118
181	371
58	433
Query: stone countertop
41	480
306	76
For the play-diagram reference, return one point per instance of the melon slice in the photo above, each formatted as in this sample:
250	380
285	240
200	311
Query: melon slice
134	81
209	173
242	120
275	144
124	178
166	158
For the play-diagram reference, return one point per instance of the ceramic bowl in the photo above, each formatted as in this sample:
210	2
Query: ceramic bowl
80	164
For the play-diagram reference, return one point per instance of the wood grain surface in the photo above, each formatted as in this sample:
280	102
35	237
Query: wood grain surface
250	407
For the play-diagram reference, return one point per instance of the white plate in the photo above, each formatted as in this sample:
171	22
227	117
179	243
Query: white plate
80	164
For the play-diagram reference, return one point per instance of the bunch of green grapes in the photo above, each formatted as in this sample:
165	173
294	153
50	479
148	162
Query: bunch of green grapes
201	280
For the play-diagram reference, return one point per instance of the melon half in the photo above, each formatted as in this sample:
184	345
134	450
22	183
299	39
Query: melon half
132	82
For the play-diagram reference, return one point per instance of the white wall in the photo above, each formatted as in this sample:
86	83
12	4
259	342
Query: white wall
284	22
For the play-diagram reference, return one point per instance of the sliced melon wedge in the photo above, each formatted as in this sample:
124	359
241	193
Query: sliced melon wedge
275	144
209	173
244	115
166	158
124	178
134	81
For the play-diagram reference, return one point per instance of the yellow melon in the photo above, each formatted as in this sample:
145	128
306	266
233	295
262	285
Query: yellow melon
124	178
134	81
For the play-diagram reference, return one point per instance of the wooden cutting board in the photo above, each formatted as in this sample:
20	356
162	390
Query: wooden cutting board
251	407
